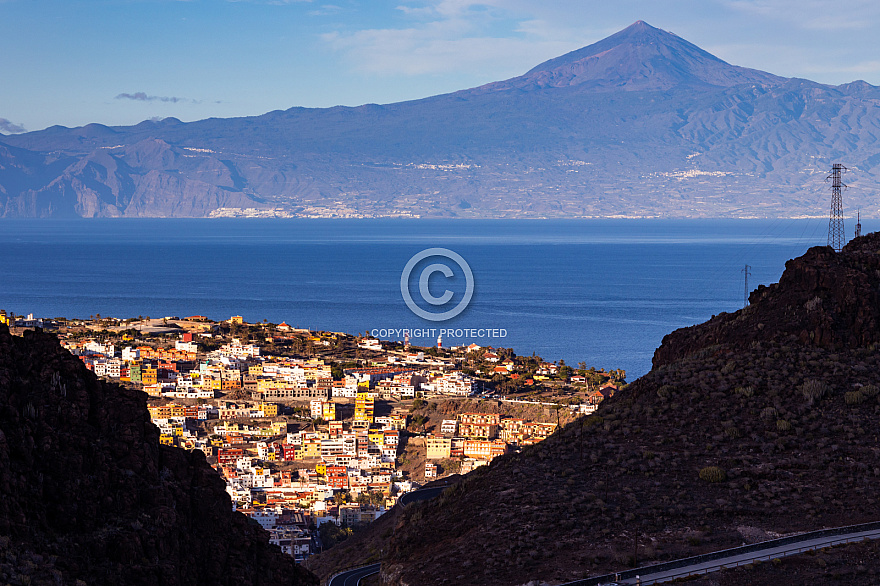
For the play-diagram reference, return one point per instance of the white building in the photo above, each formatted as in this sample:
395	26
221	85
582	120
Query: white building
186	346
449	426
130	354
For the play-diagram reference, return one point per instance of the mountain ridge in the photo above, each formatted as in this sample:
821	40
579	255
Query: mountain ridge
755	424
641	124
88	494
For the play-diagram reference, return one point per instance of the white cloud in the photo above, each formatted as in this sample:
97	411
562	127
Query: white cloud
10	127
409	52
143	97
814	14
456	36
272	2
861	67
326	10
827	66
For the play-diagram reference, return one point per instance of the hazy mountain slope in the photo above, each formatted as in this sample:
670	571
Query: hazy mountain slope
640	123
781	398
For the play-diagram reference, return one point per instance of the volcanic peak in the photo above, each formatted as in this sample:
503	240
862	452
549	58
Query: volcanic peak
640	57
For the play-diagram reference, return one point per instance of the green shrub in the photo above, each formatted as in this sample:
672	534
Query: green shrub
713	474
870	390
665	392
745	392
813	390
783	425
769	413
732	432
854	397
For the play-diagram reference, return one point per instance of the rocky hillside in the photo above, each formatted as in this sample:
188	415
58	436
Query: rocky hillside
756	424
823	300
88	496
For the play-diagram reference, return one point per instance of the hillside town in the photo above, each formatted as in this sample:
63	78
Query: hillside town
316	433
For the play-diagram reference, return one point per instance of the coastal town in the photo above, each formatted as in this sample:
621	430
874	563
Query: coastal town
317	434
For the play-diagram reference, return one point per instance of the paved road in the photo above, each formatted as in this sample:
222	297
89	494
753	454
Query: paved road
353	577
422	494
747	558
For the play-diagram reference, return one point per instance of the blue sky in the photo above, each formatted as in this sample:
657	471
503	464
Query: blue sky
72	62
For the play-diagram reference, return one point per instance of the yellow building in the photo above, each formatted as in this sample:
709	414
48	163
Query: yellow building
438	447
396	421
328	411
363	408
230	384
376	437
278	427
236	319
149	376
269	409
308	450
268	385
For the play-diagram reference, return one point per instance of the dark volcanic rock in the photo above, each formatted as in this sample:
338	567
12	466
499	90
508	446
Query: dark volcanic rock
755	424
823	299
87	493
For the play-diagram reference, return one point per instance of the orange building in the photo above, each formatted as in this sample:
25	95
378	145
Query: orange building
484	450
149	376
479	425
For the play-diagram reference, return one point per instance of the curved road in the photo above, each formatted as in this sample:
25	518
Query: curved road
651	574
353	577
422	494
731	561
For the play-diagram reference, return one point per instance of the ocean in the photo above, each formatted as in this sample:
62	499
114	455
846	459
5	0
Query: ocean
602	292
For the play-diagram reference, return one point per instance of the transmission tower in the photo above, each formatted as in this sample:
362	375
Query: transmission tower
835	219
747	273
859	224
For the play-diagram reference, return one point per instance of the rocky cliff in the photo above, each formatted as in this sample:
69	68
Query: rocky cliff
88	496
823	300
759	423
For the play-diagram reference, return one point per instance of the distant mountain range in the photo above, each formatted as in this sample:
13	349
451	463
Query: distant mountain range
642	123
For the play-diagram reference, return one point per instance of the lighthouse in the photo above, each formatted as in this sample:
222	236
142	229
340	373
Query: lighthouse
440	342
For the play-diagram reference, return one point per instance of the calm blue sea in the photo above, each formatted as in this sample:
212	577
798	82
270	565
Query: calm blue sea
604	292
